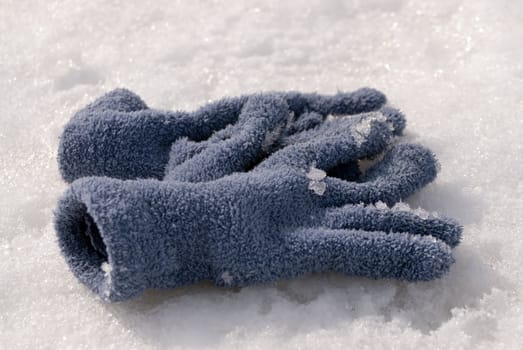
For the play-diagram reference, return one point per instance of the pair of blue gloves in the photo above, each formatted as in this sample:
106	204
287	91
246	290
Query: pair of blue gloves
244	190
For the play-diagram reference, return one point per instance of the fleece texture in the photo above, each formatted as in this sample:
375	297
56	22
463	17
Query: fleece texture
121	237
119	136
266	126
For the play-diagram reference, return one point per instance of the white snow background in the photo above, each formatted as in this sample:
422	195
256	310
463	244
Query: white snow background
454	67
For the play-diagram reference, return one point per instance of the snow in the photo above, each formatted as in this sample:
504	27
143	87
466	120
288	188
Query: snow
318	187
381	205
107	268
316	176
455	69
227	277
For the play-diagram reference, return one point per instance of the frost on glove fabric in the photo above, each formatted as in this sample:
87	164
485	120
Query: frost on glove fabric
282	219
263	128
119	136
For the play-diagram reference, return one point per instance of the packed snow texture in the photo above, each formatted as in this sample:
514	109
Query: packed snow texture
455	67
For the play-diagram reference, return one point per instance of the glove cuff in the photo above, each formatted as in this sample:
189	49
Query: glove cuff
106	260
122	237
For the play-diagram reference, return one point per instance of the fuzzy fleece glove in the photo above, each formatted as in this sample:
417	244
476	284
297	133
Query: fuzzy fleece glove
281	219
265	126
119	136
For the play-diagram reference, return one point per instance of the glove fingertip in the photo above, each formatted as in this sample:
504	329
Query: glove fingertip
432	259
396	118
448	230
120	100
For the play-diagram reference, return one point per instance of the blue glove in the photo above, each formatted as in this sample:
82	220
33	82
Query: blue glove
119	136
282	219
263	128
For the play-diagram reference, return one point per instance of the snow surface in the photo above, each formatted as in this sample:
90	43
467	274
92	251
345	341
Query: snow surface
454	67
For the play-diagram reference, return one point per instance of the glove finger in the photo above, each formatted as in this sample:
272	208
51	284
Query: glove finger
363	99
403	170
263	118
304	122
311	126
182	150
118	136
370	254
342	103
314	111
395	118
370	218
120	100
369	138
103	139
216	115
359	101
